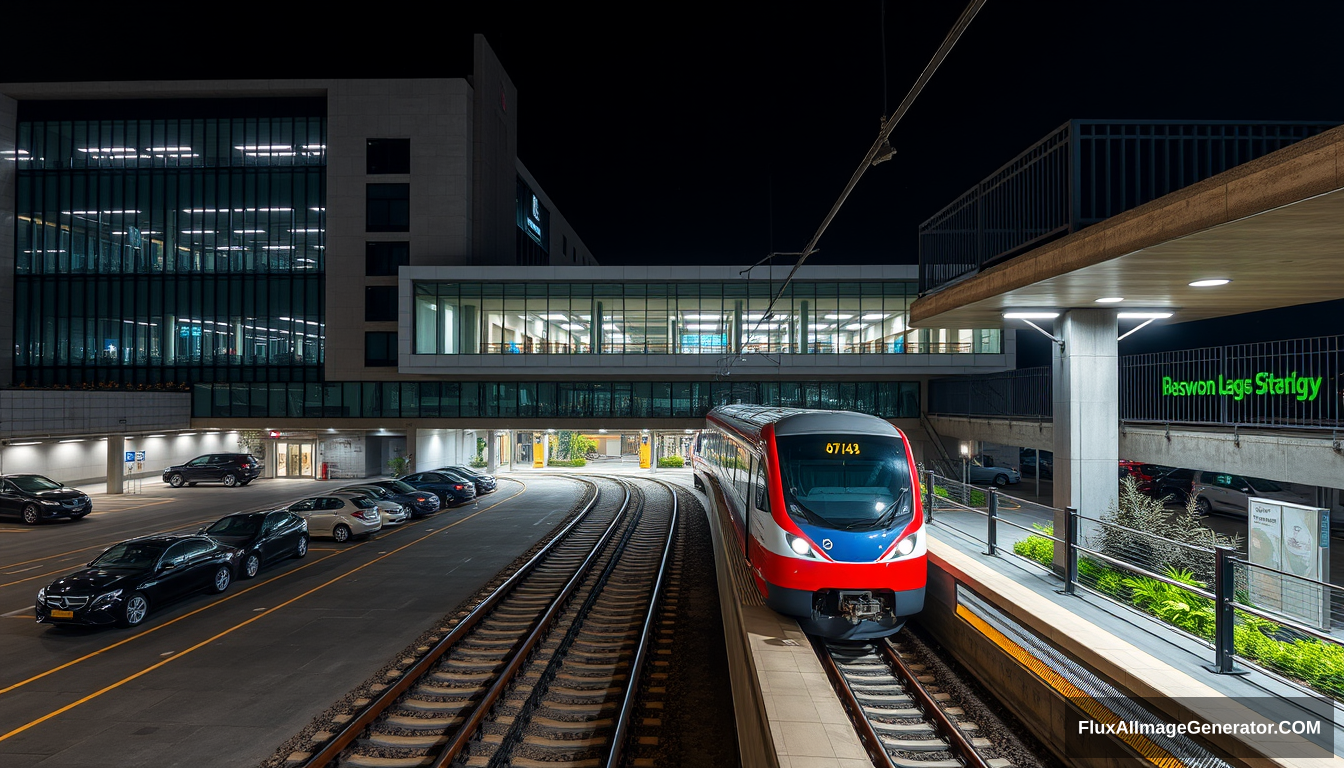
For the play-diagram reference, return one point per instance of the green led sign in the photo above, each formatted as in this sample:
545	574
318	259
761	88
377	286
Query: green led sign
1264	383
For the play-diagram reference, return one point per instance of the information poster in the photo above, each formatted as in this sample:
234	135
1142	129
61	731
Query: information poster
1294	540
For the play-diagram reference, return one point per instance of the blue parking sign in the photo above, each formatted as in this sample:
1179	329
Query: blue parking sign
130	456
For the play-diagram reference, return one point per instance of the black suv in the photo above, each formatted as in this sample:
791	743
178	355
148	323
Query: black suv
227	468
34	498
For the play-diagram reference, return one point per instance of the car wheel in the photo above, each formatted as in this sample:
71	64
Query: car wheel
133	611
31	515
302	549
251	564
230	479
1001	480
176	480
1205	508
341	533
222	578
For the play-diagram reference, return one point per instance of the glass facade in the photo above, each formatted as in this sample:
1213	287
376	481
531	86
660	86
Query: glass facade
544	399
677	318
169	251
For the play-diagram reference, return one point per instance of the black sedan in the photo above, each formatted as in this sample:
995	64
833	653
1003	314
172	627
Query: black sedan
484	483
420	503
34	498
125	582
448	486
263	537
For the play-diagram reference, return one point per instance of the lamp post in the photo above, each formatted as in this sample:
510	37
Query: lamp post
965	454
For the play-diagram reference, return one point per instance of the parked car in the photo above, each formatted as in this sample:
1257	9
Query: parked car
34	498
1027	467
977	473
450	487
263	537
1226	492
1145	474
484	483
124	583
341	516
420	502
231	469
1175	484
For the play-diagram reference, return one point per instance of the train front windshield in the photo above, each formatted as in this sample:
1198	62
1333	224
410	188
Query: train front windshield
846	482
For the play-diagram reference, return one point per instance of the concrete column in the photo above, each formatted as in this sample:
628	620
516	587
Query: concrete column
491	452
655	443
116	463
411	451
1087	414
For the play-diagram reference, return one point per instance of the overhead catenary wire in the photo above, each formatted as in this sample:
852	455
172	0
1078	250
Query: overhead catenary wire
953	36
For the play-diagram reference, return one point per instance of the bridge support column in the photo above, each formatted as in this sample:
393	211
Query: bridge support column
491	451
1087	416
116	462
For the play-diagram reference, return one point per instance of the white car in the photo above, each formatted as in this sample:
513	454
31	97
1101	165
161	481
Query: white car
979	474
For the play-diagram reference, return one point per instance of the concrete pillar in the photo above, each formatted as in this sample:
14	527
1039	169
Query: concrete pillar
1087	415
116	463
411	437
491	452
656	440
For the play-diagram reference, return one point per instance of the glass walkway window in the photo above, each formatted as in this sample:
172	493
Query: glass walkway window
677	318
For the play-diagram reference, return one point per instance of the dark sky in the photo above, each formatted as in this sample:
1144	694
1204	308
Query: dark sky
715	133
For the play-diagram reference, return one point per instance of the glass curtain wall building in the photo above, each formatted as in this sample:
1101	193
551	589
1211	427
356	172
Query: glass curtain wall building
677	318
170	250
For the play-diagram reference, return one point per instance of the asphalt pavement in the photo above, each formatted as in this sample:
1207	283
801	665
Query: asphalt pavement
225	679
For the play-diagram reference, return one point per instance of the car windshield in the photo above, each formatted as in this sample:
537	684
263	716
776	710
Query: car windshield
375	492
401	487
1262	485
853	482
130	554
34	483
236	525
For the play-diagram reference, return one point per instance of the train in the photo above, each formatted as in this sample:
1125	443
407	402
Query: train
826	512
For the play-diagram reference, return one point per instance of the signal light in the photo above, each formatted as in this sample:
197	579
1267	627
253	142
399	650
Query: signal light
273	434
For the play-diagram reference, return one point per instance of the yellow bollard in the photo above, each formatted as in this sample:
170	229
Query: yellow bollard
644	452
538	450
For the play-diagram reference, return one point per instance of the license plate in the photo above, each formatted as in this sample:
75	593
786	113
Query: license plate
55	614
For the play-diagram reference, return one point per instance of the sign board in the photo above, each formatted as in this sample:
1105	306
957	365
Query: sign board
130	456
1291	544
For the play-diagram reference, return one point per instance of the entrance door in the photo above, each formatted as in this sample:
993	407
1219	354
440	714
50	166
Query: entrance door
294	460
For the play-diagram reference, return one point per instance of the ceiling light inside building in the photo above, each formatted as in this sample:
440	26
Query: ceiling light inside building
1143	315
1210	282
1030	315
1111	300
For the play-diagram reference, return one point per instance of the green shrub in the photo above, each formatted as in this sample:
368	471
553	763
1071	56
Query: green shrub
1178	607
978	498
1038	548
569	462
671	461
477	463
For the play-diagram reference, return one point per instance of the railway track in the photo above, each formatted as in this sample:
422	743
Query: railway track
536	673
903	719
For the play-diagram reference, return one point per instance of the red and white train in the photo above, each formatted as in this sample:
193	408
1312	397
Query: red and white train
827	513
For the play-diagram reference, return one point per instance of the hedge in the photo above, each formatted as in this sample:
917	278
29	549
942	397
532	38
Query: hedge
671	461
569	462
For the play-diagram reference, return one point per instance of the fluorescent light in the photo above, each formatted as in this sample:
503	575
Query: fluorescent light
875	316
198	231
1210	282
249	231
838	317
557	316
278	248
703	326
310	229
1143	315
1030	315
186	434
571	326
855	327
34	442
1111	300
76	440
262	147
270	210
820	326
319	209
170	149
155	436
703	316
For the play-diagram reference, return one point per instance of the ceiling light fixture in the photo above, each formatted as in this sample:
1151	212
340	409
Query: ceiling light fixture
1210	282
1111	300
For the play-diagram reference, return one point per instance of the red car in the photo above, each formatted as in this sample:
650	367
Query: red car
1146	474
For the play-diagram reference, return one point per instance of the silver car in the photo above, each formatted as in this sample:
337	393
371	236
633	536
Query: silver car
341	516
1229	493
979	474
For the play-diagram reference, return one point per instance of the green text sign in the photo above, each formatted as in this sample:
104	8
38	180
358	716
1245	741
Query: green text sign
1263	383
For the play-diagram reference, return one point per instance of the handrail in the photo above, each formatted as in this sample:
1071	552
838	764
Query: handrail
641	651
375	708
1147	573
505	679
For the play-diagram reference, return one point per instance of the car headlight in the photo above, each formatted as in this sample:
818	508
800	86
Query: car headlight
52	503
42	595
104	600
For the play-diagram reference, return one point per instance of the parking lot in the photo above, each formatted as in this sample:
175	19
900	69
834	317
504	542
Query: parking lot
237	673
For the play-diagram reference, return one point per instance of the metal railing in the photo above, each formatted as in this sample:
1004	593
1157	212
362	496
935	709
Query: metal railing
1276	621
1023	393
1081	173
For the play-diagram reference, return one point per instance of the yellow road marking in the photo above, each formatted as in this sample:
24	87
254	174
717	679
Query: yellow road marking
119	683
95	546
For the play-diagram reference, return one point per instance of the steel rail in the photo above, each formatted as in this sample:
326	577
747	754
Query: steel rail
957	741
468	729
868	736
641	651
348	733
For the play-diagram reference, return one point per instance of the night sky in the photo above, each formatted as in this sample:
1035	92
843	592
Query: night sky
716	133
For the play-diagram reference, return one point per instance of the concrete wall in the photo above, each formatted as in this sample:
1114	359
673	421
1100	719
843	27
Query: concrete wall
344	455
86	461
36	413
440	447
494	147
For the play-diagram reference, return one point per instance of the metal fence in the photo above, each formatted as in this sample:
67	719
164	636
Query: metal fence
1286	625
1289	383
1081	173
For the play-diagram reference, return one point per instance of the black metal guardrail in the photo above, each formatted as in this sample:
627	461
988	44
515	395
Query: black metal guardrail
1145	556
1082	173
1292	383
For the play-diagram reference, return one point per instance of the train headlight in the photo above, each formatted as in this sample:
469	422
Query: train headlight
906	546
799	545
